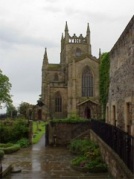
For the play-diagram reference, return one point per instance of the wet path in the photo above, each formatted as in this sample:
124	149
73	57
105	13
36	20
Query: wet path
40	162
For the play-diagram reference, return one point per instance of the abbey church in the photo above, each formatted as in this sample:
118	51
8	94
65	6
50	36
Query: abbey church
71	88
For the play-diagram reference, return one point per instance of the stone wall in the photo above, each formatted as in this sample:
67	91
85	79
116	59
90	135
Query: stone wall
63	133
120	107
116	166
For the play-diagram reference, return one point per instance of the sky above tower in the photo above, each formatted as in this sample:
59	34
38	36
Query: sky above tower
28	27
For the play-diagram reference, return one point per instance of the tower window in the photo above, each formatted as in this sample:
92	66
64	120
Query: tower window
87	83
58	102
78	52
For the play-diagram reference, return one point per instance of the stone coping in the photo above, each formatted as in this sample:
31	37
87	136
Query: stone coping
6	169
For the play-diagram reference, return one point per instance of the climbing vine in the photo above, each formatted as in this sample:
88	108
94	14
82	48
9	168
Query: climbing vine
104	81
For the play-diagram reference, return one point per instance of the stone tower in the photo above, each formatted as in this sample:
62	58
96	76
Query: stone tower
70	88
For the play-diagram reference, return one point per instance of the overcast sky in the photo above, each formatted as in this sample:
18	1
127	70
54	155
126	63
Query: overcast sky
28	26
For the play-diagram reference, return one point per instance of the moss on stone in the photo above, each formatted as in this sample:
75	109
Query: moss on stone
54	66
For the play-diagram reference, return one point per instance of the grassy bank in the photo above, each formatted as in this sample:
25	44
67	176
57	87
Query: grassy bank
38	131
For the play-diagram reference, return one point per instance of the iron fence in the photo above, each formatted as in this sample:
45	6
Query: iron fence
118	140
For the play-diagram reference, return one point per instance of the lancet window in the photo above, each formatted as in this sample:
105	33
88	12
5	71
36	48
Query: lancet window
87	82
58	102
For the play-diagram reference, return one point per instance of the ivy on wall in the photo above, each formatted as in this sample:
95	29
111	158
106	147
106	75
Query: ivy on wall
104	81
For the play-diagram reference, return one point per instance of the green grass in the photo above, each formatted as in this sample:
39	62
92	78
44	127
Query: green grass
38	131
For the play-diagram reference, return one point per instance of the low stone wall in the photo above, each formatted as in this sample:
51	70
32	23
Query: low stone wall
116	166
62	133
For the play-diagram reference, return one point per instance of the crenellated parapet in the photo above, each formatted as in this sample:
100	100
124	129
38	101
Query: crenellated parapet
76	39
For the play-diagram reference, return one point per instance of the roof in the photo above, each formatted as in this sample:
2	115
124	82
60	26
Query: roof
87	100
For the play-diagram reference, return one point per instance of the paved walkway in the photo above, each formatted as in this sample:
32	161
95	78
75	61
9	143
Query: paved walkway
40	162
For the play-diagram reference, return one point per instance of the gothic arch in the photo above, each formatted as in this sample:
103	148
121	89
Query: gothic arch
87	82
58	102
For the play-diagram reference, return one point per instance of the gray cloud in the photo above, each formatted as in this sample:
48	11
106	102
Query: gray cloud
27	26
51	9
69	11
9	36
52	1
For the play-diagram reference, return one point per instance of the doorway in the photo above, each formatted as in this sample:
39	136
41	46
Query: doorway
39	114
87	113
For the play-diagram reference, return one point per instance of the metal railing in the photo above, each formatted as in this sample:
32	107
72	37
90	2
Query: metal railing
118	140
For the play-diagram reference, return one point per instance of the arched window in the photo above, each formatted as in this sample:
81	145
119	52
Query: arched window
56	78
78	52
87	82
58	102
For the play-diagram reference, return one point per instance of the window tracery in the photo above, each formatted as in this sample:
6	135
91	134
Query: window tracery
87	82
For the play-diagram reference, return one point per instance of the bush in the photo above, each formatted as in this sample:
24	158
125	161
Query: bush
1	154
9	148
79	161
96	166
6	145
5	133
90	157
20	130
12	131
79	146
23	142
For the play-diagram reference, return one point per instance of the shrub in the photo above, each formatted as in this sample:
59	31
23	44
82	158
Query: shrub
5	133
6	145
23	142
20	130
79	161
79	146
90	157
9	148
12	131
1	154
96	166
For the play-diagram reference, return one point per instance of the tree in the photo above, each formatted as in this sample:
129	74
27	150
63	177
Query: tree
11	111
23	108
5	87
